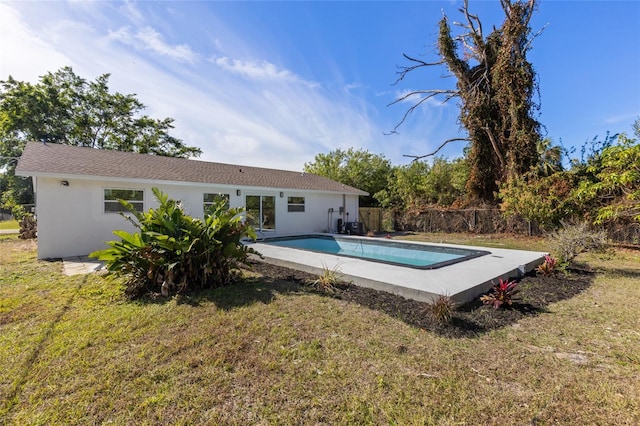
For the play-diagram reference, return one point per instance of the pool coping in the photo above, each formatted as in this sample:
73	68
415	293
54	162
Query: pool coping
385	242
461	281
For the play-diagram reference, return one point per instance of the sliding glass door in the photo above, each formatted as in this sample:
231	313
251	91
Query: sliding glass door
261	212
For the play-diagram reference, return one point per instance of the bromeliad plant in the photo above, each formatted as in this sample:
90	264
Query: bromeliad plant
548	267
501	294
172	252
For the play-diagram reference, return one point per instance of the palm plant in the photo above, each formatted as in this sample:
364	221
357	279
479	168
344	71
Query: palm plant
173	252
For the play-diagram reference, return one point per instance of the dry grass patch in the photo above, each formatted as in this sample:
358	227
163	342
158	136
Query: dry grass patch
514	241
9	224
269	351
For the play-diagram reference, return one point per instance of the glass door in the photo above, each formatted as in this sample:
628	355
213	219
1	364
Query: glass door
261	212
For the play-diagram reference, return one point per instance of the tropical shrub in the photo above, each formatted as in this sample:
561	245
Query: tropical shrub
172	252
442	308
545	200
612	184
548	267
328	280
501	294
573	239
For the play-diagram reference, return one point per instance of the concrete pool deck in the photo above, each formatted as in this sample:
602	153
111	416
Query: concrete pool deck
461	281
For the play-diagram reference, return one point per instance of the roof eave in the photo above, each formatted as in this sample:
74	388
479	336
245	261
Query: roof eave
69	176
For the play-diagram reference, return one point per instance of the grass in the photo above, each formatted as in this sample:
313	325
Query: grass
9	224
73	351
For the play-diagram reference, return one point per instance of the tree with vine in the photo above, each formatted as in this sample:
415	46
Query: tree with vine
496	86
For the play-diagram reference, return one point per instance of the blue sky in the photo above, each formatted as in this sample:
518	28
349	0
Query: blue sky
273	84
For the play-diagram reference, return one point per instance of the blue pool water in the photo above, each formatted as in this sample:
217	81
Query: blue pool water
393	252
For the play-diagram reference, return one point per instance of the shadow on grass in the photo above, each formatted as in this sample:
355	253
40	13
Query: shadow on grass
620	272
243	292
13	395
468	320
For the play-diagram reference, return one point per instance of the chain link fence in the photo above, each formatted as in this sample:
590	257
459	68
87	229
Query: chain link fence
490	221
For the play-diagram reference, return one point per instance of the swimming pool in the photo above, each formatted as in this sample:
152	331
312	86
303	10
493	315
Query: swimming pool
419	256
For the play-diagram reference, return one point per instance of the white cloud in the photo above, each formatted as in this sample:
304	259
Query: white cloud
621	118
275	119
25	55
149	39
130	10
259	70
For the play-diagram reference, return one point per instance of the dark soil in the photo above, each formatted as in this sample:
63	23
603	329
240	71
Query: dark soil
536	292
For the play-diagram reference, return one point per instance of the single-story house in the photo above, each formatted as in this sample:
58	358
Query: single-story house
77	189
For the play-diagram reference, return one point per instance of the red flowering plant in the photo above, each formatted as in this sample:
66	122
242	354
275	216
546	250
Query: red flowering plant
501	294
548	267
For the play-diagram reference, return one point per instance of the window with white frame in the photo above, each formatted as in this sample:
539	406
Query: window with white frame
134	196
209	199
295	204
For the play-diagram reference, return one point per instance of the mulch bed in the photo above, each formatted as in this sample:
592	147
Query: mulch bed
536	292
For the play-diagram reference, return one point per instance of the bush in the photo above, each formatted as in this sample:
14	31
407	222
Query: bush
328	280
28	227
573	239
501	294
544	200
173	252
548	267
442	309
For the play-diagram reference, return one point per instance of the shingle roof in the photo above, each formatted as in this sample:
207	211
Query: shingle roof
40	159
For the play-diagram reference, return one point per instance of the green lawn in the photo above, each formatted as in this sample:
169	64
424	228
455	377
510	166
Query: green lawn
9	224
73	351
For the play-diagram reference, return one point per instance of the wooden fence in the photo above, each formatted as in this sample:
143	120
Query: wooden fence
371	217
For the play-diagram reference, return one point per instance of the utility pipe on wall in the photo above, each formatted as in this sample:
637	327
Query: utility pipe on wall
330	214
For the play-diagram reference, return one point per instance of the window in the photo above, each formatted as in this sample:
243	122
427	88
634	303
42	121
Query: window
133	196
261	212
295	204
209	199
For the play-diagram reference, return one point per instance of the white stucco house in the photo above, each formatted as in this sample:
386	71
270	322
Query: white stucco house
76	191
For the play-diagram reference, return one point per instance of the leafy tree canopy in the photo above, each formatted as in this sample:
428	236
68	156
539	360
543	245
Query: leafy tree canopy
603	185
612	185
419	184
65	108
357	168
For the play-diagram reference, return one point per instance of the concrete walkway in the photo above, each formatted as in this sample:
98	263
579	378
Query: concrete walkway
74	265
77	265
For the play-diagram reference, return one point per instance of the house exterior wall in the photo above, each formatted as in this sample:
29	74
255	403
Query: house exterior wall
72	220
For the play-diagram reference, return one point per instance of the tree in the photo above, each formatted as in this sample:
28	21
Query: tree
65	108
419	184
613	185
550	157
603	185
357	168
495	85
406	186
